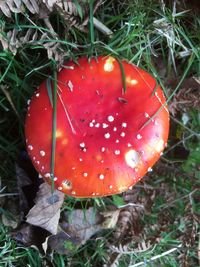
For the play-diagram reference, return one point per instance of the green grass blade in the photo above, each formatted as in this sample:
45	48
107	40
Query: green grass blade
91	26
79	8
49	90
123	75
53	145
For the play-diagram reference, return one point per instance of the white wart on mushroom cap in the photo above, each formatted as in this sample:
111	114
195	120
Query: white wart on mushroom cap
106	140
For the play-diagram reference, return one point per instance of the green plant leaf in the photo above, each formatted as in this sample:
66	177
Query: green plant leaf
118	200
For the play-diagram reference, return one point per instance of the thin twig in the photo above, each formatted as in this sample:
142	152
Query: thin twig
102	27
9	194
142	263
67	114
187	128
178	143
7	94
178	199
122	250
131	205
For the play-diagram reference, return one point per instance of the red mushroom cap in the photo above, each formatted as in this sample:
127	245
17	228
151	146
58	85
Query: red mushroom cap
106	139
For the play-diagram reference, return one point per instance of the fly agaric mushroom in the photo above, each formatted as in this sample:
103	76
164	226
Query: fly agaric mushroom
106	138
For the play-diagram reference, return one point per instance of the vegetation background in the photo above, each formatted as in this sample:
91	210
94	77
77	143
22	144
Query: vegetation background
157	222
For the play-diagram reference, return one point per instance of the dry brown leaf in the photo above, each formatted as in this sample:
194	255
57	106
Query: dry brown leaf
27	184
187	97
77	227
62	243
46	212
111	218
10	220
82	224
30	235
15	208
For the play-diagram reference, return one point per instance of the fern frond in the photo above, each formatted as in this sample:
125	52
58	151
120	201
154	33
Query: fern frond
74	13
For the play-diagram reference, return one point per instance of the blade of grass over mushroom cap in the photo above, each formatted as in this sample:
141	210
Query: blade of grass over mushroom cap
49	90
122	74
91	26
53	144
155	89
